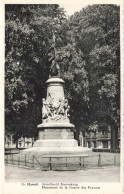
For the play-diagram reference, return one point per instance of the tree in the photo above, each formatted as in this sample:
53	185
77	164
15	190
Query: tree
98	37
28	43
88	53
76	84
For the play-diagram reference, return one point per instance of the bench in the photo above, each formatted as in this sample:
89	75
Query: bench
80	156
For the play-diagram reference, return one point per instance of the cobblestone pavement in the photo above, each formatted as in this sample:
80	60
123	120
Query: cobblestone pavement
105	174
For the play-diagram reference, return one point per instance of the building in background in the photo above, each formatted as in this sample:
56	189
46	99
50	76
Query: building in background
99	139
23	142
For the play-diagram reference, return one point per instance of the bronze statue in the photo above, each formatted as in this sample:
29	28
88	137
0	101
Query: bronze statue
54	68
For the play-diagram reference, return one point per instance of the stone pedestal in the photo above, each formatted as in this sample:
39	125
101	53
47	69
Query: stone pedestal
56	133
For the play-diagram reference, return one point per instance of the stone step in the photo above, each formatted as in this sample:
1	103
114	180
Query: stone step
56	143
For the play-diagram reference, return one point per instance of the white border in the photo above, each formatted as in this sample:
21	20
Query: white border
14	188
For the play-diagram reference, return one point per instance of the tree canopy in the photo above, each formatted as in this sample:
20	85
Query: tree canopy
87	51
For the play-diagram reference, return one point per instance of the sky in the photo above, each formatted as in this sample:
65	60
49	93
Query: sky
71	8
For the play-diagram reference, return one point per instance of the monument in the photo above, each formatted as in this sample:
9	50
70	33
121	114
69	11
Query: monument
56	133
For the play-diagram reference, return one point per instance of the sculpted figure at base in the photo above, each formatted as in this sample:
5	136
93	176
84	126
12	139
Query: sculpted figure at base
55	110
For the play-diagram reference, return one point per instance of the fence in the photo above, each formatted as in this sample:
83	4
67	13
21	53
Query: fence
106	150
12	151
37	162
102	160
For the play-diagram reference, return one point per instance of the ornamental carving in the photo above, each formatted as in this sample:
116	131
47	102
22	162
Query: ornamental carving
54	111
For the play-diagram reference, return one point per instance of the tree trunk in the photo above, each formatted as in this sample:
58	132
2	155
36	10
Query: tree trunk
114	136
17	141
84	139
11	139
24	141
32	141
76	136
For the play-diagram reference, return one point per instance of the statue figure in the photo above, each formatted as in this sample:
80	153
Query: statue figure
55	110
61	107
66	108
66	112
47	109
44	109
54	69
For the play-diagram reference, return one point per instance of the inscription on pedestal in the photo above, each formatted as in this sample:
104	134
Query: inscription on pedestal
56	134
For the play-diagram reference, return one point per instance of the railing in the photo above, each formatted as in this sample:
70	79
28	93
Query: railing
34	158
94	160
11	151
104	136
91	137
23	161
98	136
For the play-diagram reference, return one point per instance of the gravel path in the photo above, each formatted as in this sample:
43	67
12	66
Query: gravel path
105	174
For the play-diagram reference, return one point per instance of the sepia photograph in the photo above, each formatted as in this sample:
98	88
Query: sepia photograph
62	92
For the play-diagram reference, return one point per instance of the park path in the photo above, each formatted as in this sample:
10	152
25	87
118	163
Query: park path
105	174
